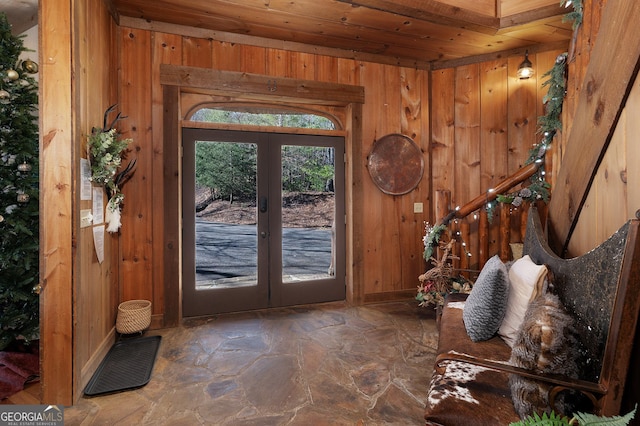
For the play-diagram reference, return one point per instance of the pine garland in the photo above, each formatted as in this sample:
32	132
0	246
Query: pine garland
549	125
553	100
575	15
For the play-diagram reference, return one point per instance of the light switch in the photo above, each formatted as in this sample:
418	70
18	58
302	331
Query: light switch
417	207
86	218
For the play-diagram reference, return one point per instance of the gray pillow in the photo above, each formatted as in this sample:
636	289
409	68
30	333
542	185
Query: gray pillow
487	303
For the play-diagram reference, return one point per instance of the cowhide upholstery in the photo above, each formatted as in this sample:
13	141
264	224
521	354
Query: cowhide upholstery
466	394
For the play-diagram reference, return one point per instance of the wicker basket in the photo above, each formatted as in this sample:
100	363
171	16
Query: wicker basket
134	316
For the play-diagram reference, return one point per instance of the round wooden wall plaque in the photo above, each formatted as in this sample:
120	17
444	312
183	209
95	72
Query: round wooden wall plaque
395	164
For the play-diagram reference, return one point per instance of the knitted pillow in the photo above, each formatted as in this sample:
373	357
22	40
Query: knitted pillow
485	307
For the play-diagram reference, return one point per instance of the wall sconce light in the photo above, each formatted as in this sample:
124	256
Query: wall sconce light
525	69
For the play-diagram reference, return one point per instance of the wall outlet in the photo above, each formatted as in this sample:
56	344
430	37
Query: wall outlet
417	208
86	218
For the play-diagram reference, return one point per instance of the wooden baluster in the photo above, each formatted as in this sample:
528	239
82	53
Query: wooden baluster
474	240
456	250
442	203
524	215
505	232
465	234
483	237
514	219
442	207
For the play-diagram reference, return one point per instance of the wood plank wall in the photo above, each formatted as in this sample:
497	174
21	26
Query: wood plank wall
614	197
396	102
469	150
96	288
484	122
56	201
79	299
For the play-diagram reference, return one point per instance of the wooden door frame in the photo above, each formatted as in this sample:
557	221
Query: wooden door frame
180	82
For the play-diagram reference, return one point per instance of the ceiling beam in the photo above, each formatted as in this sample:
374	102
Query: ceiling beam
534	48
612	69
506	22
440	13
434	12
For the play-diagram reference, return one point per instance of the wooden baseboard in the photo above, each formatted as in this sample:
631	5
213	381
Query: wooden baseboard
94	362
389	296
157	322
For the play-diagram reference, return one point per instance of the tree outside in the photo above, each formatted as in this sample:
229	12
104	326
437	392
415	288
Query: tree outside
228	170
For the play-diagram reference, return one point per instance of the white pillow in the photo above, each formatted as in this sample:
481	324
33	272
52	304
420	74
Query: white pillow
526	281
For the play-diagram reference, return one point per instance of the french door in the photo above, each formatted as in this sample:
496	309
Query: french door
257	256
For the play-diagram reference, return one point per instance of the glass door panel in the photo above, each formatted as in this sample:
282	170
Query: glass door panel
308	212
221	244
226	219
306	267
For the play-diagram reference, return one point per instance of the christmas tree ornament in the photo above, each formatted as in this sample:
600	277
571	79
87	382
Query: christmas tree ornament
4	96
1	218
24	167
13	75
23	198
30	66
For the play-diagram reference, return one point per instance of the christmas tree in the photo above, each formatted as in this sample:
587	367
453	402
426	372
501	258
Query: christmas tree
19	274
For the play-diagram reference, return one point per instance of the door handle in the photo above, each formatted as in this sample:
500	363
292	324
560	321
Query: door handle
263	204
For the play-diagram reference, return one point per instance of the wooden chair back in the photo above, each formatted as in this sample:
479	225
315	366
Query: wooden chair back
601	290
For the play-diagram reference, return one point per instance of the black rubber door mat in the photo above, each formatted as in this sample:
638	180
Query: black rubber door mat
128	365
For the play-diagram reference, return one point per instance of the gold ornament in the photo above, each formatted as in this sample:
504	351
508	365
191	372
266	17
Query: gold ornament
13	75
1	218
4	96
23	198
24	167
30	66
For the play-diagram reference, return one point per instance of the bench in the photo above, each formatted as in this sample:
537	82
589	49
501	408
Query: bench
600	290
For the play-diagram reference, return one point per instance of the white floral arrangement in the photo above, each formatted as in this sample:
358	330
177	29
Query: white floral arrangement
105	155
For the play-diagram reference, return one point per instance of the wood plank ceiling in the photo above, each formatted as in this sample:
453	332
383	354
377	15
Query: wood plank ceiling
423	33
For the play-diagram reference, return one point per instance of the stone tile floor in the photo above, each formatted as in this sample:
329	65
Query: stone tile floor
327	364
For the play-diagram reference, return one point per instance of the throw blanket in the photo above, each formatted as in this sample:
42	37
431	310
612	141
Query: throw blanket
17	369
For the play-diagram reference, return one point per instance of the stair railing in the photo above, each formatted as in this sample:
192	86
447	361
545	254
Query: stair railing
479	239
